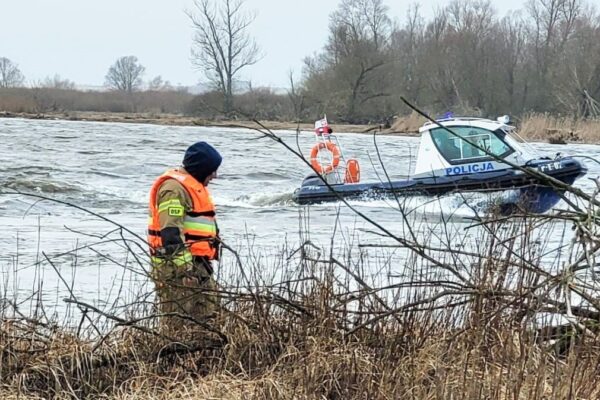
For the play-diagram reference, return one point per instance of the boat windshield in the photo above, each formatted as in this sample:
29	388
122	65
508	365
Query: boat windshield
458	151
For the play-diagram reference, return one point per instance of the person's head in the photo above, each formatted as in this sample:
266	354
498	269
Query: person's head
202	161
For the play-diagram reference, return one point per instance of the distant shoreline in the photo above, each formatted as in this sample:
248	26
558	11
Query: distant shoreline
533	127
181	120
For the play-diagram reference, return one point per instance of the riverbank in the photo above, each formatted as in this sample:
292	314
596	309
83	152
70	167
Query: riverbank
531	127
339	334
182	120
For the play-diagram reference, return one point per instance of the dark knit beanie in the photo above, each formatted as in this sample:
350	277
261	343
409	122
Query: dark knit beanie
201	160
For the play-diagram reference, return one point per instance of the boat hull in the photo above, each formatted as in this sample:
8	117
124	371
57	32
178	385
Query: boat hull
534	195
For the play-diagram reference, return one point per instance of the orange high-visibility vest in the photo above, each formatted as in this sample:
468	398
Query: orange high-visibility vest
199	224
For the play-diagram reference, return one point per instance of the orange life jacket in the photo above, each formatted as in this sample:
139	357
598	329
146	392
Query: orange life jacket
199	224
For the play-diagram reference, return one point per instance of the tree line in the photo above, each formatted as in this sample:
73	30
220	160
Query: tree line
466	58
124	75
544	58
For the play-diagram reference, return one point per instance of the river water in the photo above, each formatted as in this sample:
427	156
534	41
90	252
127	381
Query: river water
49	248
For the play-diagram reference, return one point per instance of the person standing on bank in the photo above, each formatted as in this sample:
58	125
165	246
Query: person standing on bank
183	235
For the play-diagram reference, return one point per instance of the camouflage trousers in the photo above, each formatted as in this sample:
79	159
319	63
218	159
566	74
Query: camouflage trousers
196	297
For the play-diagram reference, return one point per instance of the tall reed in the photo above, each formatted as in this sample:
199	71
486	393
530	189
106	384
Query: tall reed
492	310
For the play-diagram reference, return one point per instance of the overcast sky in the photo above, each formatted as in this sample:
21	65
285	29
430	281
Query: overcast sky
80	39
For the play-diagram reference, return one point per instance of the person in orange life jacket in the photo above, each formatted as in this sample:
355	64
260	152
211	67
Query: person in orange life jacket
183	234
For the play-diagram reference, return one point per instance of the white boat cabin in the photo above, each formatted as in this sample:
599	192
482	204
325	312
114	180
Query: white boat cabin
443	154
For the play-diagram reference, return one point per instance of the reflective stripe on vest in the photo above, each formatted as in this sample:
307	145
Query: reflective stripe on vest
199	224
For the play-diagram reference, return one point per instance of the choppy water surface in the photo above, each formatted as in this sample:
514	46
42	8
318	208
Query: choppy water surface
108	169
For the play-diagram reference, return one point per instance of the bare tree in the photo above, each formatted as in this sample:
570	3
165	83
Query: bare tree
56	82
296	96
125	74
471	27
552	25
407	49
221	46
351	70
577	87
513	45
10	75
157	84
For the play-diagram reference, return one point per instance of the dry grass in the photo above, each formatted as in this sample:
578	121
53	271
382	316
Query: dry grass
181	108
169	109
533	127
43	100
177	120
408	123
559	130
396	362
327	331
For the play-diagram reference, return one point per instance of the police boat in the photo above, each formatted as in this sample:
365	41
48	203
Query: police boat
478	155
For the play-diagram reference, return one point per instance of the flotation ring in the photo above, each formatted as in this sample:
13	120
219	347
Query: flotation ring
334	163
352	171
